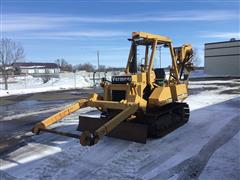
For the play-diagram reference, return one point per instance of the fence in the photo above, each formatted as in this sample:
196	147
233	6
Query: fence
64	81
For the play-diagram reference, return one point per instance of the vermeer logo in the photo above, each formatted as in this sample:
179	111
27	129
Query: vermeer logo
121	79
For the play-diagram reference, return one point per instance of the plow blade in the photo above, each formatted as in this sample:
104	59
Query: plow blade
126	130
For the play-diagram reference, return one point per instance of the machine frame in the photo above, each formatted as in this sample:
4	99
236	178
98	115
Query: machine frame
138	90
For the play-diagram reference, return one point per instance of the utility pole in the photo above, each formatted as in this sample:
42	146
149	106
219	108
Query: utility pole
98	64
160	58
75	80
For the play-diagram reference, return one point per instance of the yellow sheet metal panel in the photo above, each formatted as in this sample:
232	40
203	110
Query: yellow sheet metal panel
150	36
118	87
138	100
142	77
160	96
179	92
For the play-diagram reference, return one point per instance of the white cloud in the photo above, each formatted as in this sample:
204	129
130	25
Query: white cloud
9	27
24	22
70	35
99	33
223	35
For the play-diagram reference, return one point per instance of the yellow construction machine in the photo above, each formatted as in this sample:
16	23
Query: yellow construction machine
139	104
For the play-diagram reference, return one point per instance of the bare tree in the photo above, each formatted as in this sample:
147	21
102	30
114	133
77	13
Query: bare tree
195	58
10	52
64	65
102	68
86	67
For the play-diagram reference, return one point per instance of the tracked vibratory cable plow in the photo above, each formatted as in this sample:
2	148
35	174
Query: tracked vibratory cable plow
142	103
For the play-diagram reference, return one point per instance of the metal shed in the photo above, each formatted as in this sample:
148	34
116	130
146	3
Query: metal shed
222	58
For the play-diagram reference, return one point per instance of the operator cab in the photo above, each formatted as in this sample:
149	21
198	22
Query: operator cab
142	55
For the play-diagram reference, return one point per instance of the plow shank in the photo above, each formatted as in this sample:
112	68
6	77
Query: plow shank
58	116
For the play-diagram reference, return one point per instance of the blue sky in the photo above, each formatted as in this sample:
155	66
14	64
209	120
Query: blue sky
76	29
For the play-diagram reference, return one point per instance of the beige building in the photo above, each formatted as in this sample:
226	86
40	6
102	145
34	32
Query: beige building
36	69
222	58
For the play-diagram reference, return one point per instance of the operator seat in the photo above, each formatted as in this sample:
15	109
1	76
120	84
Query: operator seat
160	75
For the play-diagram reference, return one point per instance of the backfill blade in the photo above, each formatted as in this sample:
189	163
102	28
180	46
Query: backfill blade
126	130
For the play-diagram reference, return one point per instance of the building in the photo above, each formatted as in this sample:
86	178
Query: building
36	69
9	70
222	58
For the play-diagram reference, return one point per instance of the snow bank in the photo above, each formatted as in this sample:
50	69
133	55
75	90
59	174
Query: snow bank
28	84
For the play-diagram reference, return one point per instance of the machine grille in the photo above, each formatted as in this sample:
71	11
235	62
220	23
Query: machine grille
118	95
